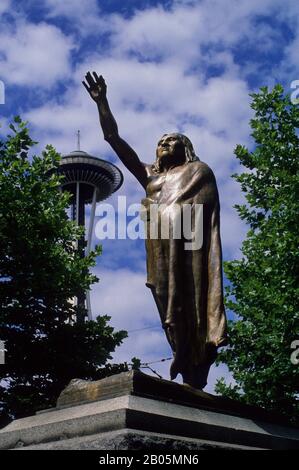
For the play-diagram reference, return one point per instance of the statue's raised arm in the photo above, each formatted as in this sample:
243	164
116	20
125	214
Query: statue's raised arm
97	89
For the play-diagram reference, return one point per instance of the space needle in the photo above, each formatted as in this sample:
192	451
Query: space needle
90	180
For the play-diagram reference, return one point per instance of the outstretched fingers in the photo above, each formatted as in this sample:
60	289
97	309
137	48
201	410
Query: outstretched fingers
87	88
95	85
96	77
102	82
99	80
90	80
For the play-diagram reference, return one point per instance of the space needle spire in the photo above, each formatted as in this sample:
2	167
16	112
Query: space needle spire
78	140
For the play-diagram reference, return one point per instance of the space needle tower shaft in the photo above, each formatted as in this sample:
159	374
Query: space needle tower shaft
90	180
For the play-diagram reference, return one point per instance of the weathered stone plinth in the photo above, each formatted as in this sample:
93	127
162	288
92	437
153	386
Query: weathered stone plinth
132	410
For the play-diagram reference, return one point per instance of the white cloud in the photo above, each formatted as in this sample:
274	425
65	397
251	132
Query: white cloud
224	103
291	59
147	345
34	54
85	16
132	305
157	34
233	232
4	6
158	99
181	31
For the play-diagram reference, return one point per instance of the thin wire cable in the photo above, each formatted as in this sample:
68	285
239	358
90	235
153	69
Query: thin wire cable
158	375
145	328
155	362
146	365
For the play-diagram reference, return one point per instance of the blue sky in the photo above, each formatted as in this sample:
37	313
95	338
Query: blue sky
171	65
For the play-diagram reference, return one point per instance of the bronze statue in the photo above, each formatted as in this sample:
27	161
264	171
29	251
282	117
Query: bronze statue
186	284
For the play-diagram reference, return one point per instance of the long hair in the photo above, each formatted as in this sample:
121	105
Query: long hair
190	155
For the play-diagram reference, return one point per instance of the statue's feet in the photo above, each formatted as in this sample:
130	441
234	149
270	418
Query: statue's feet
175	368
196	376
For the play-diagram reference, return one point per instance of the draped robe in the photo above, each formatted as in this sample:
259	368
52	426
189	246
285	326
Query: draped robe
187	284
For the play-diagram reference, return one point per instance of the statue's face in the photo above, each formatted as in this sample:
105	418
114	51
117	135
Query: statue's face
171	150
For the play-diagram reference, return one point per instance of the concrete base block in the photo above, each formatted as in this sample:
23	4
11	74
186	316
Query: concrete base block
105	415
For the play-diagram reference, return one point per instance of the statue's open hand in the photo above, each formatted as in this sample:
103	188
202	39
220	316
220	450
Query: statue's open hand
95	86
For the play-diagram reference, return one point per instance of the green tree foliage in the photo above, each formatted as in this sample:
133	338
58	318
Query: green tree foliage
40	272
264	288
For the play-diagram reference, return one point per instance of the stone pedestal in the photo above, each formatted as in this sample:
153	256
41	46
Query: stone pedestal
132	410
